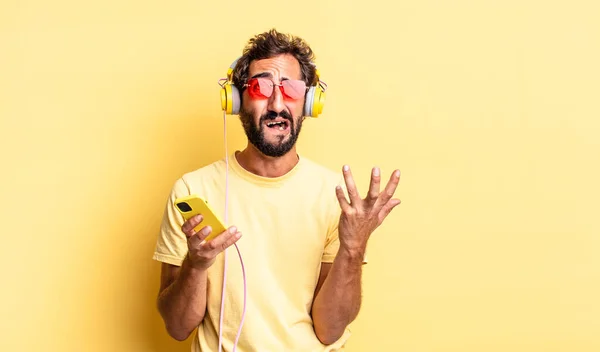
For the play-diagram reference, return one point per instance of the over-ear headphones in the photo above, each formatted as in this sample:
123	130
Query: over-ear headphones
314	100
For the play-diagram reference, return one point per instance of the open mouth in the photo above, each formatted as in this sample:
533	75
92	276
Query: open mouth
278	125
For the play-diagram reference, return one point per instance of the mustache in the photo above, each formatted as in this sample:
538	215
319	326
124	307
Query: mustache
272	115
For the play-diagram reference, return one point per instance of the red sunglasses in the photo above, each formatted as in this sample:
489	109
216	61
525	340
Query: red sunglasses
262	88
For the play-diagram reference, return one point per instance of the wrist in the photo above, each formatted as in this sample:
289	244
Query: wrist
194	267
353	253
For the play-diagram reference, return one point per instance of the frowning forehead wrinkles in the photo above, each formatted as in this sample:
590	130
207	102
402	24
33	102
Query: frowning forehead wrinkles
278	68
266	75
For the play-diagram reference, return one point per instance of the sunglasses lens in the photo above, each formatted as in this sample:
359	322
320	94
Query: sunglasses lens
266	87
294	89
260	88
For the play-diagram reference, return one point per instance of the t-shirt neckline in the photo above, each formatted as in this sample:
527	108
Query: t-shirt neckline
262	180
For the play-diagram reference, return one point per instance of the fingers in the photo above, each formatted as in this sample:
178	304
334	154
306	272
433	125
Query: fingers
374	197
390	189
202	254
351	186
374	186
223	241
339	192
387	209
189	226
196	240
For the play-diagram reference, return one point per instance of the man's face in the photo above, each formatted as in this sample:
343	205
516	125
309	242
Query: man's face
272	124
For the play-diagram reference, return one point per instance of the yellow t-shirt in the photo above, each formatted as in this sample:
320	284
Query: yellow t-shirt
289	227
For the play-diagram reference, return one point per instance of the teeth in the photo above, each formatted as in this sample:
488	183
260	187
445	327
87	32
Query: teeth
281	123
281	128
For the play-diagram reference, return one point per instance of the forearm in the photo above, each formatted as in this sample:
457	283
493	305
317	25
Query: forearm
338	301
183	303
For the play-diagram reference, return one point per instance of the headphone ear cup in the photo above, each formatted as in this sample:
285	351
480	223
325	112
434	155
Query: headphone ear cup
235	100
314	101
308	101
230	99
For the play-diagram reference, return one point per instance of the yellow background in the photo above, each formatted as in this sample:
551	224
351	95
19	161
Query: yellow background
491	109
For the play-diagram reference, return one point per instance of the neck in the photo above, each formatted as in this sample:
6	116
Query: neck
257	163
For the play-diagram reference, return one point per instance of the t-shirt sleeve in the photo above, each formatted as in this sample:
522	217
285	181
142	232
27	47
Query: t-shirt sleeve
332	242
171	246
332	245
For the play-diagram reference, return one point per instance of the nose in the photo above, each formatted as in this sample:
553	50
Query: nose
276	100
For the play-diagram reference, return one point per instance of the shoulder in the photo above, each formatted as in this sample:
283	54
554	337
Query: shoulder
319	173
211	170
195	180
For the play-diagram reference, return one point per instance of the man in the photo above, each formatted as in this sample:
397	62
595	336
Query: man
303	242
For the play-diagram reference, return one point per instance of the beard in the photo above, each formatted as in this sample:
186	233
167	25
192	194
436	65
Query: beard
256	133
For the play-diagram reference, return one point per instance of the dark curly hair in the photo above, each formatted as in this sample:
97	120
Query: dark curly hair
270	44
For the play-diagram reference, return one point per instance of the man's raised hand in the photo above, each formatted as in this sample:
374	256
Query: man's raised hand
360	217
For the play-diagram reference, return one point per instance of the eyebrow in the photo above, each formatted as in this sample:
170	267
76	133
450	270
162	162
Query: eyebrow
267	75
